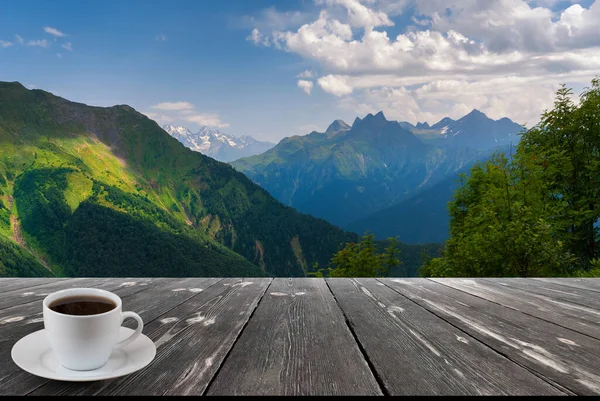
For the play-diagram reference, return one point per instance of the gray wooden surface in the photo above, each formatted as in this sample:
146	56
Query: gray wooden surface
559	355
423	354
557	311
336	336
297	343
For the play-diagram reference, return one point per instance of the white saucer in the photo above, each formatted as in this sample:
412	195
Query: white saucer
33	354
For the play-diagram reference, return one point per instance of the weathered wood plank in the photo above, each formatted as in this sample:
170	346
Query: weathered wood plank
192	340
11	283
416	353
558	354
592	284
574	295
563	313
149	298
297	343
23	296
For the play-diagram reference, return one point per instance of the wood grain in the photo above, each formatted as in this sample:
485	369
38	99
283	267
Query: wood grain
297	343
563	313
560	355
592	284
240	336
149	298
192	340
9	284
578	296
416	353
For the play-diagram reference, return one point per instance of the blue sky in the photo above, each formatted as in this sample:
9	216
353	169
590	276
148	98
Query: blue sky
235	64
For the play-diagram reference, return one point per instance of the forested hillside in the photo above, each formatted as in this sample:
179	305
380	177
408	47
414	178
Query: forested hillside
106	192
535	213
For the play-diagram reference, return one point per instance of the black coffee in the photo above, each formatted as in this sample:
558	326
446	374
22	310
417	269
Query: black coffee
82	305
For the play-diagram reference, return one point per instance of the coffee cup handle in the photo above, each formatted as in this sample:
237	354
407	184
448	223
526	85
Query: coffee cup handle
138	330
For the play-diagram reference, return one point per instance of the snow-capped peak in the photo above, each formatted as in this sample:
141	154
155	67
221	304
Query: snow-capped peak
172	129
216	143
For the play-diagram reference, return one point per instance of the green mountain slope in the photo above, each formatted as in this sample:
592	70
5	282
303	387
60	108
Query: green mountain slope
424	217
106	192
344	175
17	262
419	220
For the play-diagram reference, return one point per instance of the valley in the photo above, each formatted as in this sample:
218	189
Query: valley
387	177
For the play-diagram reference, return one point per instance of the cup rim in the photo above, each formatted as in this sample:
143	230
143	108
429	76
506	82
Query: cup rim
66	291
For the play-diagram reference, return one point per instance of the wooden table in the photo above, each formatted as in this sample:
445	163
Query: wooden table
336	336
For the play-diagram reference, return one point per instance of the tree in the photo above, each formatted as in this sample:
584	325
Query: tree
573	132
500	225
536	214
363	260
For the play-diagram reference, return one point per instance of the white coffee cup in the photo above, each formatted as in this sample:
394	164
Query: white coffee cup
85	342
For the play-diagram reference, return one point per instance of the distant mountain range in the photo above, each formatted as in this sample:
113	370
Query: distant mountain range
216	144
378	175
475	130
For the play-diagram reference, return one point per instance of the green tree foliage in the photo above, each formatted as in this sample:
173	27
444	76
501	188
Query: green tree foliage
102	242
568	138
17	262
533	214
362	260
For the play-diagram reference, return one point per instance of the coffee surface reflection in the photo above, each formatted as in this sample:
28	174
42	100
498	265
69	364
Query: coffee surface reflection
81	306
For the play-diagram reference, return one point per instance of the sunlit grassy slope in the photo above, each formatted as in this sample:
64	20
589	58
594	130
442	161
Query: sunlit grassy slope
106	192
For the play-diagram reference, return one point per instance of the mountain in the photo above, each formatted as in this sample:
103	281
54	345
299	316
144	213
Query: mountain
475	130
337	126
346	175
92	191
216	144
424	217
421	219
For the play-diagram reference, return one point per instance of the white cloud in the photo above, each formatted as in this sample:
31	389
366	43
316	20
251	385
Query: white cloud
306	74
184	111
508	25
58	55
360	15
335	84
4	43
272	19
497	98
67	46
20	40
258	39
161	37
208	119
53	31
458	55
159	118
38	43
306	86
173	106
